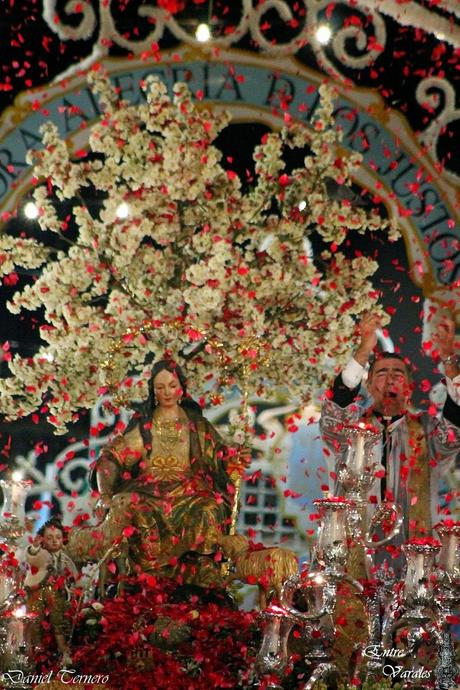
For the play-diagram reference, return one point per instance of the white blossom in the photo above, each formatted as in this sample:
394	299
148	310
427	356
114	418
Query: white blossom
198	264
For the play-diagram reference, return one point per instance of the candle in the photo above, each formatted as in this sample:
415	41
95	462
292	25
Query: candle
15	637
448	555
411	575
359	454
328	527
334	526
415	570
14	494
18	493
449	533
274	635
6	587
419	568
315	594
20	632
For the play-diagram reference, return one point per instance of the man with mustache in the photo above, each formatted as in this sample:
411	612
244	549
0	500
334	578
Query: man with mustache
416	446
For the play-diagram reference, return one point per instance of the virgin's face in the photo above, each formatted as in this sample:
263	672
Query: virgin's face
167	388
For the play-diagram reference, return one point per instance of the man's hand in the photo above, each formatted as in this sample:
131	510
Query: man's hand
367	329
444	340
444	336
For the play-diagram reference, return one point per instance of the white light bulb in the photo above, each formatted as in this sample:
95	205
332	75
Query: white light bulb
20	612
302	205
17	476
202	33
122	211
323	34
31	210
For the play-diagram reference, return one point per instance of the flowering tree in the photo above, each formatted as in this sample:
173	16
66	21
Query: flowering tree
199	268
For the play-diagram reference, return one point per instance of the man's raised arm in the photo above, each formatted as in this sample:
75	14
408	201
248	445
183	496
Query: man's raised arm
446	432
347	384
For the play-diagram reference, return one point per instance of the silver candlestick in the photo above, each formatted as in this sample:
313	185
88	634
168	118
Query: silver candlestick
356	471
317	590
331	549
318	594
447	599
418	591
12	516
16	651
14	648
356	476
273	656
414	603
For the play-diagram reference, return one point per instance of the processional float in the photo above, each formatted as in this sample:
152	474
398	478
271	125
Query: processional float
423	604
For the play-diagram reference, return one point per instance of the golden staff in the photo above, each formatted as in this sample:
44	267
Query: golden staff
238	478
250	344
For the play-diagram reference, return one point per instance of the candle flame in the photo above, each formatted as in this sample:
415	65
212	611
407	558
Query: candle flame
20	612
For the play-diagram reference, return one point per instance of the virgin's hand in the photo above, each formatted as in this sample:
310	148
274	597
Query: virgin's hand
237	465
102	507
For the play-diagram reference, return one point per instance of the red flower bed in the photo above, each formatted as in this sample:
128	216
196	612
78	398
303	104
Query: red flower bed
153	640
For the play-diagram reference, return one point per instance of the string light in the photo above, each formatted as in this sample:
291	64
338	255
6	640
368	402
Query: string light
122	211
302	205
31	210
202	33
323	34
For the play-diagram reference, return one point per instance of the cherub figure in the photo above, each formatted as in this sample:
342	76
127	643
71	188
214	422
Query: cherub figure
48	581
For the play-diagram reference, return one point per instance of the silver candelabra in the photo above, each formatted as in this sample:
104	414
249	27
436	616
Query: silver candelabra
422	605
14	619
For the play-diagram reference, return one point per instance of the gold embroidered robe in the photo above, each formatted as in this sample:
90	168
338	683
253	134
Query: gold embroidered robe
166	505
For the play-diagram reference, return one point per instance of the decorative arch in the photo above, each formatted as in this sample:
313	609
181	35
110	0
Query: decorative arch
394	169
